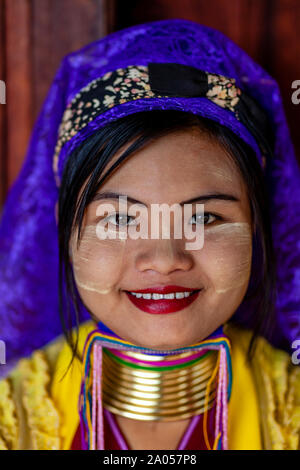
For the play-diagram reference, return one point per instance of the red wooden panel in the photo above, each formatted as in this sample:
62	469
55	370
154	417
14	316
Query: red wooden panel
18	83
38	34
60	27
2	108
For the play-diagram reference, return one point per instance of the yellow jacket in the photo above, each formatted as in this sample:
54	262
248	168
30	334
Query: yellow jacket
38	399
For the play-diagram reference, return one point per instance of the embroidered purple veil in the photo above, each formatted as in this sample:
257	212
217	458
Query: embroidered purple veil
28	232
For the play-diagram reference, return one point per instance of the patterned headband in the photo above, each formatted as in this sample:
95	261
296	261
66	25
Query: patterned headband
161	80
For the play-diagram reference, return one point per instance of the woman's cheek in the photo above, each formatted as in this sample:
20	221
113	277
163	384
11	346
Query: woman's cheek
226	257
97	264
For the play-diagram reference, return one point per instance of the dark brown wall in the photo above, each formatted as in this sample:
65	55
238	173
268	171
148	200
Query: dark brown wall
36	34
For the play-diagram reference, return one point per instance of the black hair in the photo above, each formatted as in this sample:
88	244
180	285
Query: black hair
83	173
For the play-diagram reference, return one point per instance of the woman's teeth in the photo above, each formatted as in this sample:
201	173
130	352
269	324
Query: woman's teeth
154	296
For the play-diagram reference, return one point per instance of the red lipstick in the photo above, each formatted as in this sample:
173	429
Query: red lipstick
162	306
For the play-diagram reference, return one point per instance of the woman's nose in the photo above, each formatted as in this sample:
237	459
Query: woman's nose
163	256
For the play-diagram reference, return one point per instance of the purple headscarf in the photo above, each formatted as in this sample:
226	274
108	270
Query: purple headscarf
28	233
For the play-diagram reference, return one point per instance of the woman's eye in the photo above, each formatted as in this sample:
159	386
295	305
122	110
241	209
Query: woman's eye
120	220
205	218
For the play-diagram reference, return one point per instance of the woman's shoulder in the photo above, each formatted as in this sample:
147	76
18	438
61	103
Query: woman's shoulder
277	382
29	415
25	402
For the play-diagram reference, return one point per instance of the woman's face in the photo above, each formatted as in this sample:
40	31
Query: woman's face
177	167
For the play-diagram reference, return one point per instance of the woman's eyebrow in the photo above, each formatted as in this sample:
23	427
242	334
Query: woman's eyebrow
202	198
207	197
113	195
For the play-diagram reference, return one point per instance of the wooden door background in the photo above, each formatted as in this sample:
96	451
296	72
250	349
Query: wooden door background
36	34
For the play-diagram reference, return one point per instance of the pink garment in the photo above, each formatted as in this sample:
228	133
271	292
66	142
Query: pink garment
192	438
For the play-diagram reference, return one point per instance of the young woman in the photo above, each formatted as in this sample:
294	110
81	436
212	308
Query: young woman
182	342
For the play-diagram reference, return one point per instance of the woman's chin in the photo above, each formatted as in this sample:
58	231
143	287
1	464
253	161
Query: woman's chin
166	344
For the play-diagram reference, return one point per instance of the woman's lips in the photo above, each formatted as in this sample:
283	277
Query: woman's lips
162	306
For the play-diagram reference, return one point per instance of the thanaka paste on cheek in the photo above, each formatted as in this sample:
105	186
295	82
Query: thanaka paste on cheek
226	256
97	263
